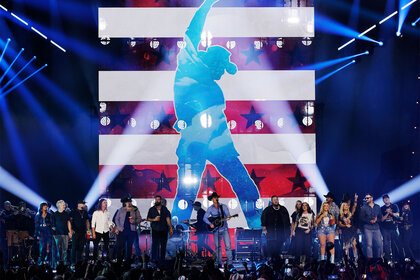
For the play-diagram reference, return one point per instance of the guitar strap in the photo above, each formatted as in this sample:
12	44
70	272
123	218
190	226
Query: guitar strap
223	214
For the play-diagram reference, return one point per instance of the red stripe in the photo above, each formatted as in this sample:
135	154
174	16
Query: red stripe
138	181
137	53
274	120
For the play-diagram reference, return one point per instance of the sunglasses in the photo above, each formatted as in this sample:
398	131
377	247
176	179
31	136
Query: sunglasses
368	197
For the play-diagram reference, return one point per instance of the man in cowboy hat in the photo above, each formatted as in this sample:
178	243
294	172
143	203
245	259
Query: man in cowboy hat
222	211
330	198
127	219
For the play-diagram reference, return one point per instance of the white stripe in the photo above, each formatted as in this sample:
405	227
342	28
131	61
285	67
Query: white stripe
245	85
161	149
145	203
221	22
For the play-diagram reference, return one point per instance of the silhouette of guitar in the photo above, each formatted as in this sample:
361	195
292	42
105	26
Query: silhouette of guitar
218	222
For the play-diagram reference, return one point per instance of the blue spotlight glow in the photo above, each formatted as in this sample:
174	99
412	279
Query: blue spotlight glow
17	147
4	50
60	143
9	183
17	74
415	22
398	33
325	64
333	72
10	66
50	88
21	82
404	8
381	43
327	25
404	191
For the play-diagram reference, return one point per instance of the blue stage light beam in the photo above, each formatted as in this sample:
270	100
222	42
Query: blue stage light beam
333	72
9	183
56	93
415	22
21	82
18	149
404	8
327	25
17	74
404	191
4	50
122	150
11	64
326	64
59	142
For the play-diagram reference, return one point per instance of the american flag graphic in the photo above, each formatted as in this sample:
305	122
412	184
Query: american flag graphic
269	102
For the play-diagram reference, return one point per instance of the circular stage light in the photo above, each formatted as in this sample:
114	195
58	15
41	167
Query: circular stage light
232	124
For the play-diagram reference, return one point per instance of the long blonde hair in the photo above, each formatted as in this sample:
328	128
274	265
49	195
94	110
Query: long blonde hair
321	211
342	210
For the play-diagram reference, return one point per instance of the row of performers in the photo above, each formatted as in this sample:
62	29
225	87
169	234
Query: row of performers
53	230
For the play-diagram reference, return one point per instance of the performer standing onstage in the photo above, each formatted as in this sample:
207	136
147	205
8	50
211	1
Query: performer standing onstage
101	224
43	231
276	226
62	232
390	216
80	225
160	217
201	229
127	219
218	210
406	229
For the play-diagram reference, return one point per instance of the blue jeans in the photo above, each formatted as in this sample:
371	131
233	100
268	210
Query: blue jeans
371	235
218	235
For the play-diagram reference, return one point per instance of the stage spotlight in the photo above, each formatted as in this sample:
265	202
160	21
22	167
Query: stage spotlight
5	48
333	72
402	192
9	183
398	33
404	8
21	82
11	64
328	63
381	43
415	22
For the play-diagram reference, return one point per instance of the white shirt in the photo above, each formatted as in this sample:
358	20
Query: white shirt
101	221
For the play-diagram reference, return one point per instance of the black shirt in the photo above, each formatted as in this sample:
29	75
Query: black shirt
60	223
276	221
200	225
162	225
78	220
390	221
9	218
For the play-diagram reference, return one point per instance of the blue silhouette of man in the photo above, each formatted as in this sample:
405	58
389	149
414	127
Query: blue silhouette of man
199	106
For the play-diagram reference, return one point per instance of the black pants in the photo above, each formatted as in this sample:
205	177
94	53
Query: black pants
159	240
125	240
274	243
105	237
77	246
303	243
391	243
405	236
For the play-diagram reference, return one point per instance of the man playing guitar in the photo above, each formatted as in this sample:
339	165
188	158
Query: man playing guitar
218	210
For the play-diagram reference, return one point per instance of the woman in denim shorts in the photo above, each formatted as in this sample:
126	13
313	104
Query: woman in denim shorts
325	222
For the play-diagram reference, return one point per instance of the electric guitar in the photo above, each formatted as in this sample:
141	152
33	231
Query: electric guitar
218	222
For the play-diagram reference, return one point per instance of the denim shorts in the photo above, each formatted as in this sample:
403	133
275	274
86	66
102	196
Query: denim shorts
326	230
